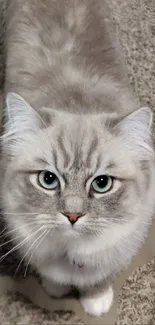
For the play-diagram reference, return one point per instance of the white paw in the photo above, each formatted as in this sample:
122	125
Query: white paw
54	289
99	304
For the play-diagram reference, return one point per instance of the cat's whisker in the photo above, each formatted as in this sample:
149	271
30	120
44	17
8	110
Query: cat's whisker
134	245
37	222
126	247
106	222
53	224
120	245
15	229
8	228
21	213
13	239
18	228
29	249
19	245
2	232
42	237
137	237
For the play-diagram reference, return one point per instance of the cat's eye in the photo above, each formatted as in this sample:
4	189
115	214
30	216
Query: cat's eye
48	180
102	184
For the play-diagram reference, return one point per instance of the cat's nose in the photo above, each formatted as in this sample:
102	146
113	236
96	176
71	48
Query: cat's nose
72	217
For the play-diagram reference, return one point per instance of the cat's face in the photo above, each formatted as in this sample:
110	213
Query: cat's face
74	175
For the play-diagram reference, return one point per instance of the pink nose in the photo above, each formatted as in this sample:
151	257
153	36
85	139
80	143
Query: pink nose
72	217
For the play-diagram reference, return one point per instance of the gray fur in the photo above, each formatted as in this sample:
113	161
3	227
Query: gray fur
79	124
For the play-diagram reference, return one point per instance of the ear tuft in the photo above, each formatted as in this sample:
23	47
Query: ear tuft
20	117
136	130
16	104
139	120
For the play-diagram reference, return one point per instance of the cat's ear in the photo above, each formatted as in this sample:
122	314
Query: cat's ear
135	129
19	112
20	117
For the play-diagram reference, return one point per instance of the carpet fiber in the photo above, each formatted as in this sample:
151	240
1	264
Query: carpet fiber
136	305
135	22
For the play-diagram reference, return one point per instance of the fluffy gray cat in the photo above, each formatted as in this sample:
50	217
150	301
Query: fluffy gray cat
77	170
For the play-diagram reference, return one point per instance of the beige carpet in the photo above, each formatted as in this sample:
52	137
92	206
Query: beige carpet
136	305
135	21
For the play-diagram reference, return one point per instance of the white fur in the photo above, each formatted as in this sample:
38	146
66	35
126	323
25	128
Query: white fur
135	129
20	117
99	303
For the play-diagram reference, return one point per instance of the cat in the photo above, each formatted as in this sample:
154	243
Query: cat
77	167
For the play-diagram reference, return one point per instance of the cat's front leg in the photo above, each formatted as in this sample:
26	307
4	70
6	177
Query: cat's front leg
55	289
98	301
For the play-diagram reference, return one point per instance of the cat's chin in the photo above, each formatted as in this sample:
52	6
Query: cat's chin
70	235
75	232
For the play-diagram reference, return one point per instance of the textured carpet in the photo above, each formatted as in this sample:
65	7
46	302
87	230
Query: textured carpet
136	305
135	21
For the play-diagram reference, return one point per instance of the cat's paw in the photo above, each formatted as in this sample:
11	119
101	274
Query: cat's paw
98	304
55	290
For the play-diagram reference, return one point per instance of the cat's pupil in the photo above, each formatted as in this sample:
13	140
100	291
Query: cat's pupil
102	181
49	178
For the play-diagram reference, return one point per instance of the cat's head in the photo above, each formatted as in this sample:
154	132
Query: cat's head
75	175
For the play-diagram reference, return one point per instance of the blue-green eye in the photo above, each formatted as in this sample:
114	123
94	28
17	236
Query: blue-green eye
102	184
48	180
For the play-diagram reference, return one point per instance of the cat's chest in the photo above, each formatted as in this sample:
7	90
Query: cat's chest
74	272
73	265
